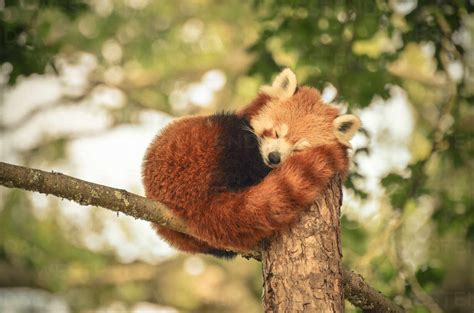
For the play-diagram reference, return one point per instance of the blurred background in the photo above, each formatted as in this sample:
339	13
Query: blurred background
86	85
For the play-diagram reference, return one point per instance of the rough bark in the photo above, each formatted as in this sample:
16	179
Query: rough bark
302	269
356	290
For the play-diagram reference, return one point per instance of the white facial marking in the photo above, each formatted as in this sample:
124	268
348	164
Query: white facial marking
279	145
261	123
282	130
302	144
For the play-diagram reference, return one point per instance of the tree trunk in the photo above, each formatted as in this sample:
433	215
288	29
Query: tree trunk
302	269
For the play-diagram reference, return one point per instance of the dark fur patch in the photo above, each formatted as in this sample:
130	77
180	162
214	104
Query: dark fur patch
240	163
224	254
285	82
345	126
290	192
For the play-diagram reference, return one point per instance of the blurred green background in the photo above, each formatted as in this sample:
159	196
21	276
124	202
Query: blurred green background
85	85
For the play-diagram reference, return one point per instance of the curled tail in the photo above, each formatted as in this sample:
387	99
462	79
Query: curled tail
190	244
240	220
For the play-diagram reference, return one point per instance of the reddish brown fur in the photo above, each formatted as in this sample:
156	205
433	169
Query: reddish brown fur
267	133
255	106
236	220
163	179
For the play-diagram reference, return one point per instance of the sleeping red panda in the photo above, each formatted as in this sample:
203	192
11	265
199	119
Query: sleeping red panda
236	178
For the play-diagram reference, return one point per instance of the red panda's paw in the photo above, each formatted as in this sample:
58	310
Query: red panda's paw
282	216
294	191
330	159
273	204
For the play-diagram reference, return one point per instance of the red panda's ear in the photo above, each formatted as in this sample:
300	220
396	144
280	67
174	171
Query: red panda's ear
283	86
345	127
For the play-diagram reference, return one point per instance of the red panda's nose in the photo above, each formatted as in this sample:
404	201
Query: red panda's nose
274	157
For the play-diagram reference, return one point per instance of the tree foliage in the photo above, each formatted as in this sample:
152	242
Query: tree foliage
417	248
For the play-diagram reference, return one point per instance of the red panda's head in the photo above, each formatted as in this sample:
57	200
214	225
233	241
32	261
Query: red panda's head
296	118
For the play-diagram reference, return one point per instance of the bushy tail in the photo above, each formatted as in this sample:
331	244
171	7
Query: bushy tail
190	244
240	220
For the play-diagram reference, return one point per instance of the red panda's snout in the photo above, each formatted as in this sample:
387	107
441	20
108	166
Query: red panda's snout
276	145
274	158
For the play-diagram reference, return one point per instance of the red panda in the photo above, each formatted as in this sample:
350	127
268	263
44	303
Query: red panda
236	178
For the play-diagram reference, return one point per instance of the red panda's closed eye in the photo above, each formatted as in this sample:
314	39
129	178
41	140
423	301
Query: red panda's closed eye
267	133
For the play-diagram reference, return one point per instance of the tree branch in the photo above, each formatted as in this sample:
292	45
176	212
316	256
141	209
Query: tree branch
361	295
356	290
87	193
